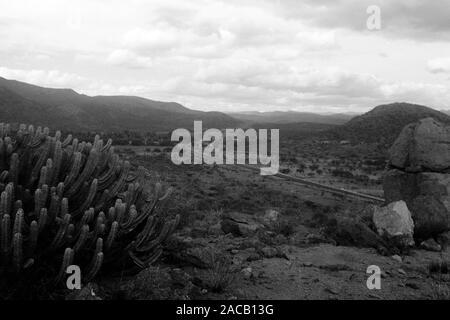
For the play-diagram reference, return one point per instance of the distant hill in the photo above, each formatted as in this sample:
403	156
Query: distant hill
291	117
64	108
384	123
446	112
298	130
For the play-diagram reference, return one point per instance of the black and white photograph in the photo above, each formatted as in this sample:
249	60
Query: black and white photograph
224	155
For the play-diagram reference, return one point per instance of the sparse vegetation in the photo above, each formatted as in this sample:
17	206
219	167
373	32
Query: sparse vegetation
441	291
157	283
221	273
320	231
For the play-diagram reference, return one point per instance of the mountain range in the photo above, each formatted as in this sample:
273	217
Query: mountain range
65	108
281	117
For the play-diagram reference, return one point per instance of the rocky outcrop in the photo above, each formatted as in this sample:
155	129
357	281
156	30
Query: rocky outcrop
394	223
422	147
419	174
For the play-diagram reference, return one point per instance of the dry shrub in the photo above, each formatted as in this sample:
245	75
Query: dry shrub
221	274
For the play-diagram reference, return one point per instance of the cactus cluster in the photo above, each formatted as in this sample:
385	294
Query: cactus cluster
66	202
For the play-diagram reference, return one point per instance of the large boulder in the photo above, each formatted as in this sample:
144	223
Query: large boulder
399	185
420	175
394	223
427	195
422	146
352	232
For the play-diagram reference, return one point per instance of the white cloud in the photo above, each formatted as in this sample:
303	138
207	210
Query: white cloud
412	19
152	39
234	54
439	65
51	78
129	59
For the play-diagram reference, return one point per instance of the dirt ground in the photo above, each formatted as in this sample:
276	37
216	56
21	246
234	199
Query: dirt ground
330	272
294	260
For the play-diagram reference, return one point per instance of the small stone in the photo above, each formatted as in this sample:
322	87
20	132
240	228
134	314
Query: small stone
444	239
247	272
373	295
330	290
239	224
401	271
215	230
253	257
412	285
313	238
280	239
269	252
270	217
431	245
397	258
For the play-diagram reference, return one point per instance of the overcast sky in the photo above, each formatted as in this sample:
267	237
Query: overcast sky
305	55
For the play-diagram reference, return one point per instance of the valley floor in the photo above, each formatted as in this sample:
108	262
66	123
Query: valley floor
293	258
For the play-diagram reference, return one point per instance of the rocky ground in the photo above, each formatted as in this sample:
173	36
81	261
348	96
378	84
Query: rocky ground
306	265
252	261
244	236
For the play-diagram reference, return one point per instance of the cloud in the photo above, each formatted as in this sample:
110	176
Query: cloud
216	29
439	65
153	39
274	75
413	19
255	85
314	55
434	95
51	78
129	59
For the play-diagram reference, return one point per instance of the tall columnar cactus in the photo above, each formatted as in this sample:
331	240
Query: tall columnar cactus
65	202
